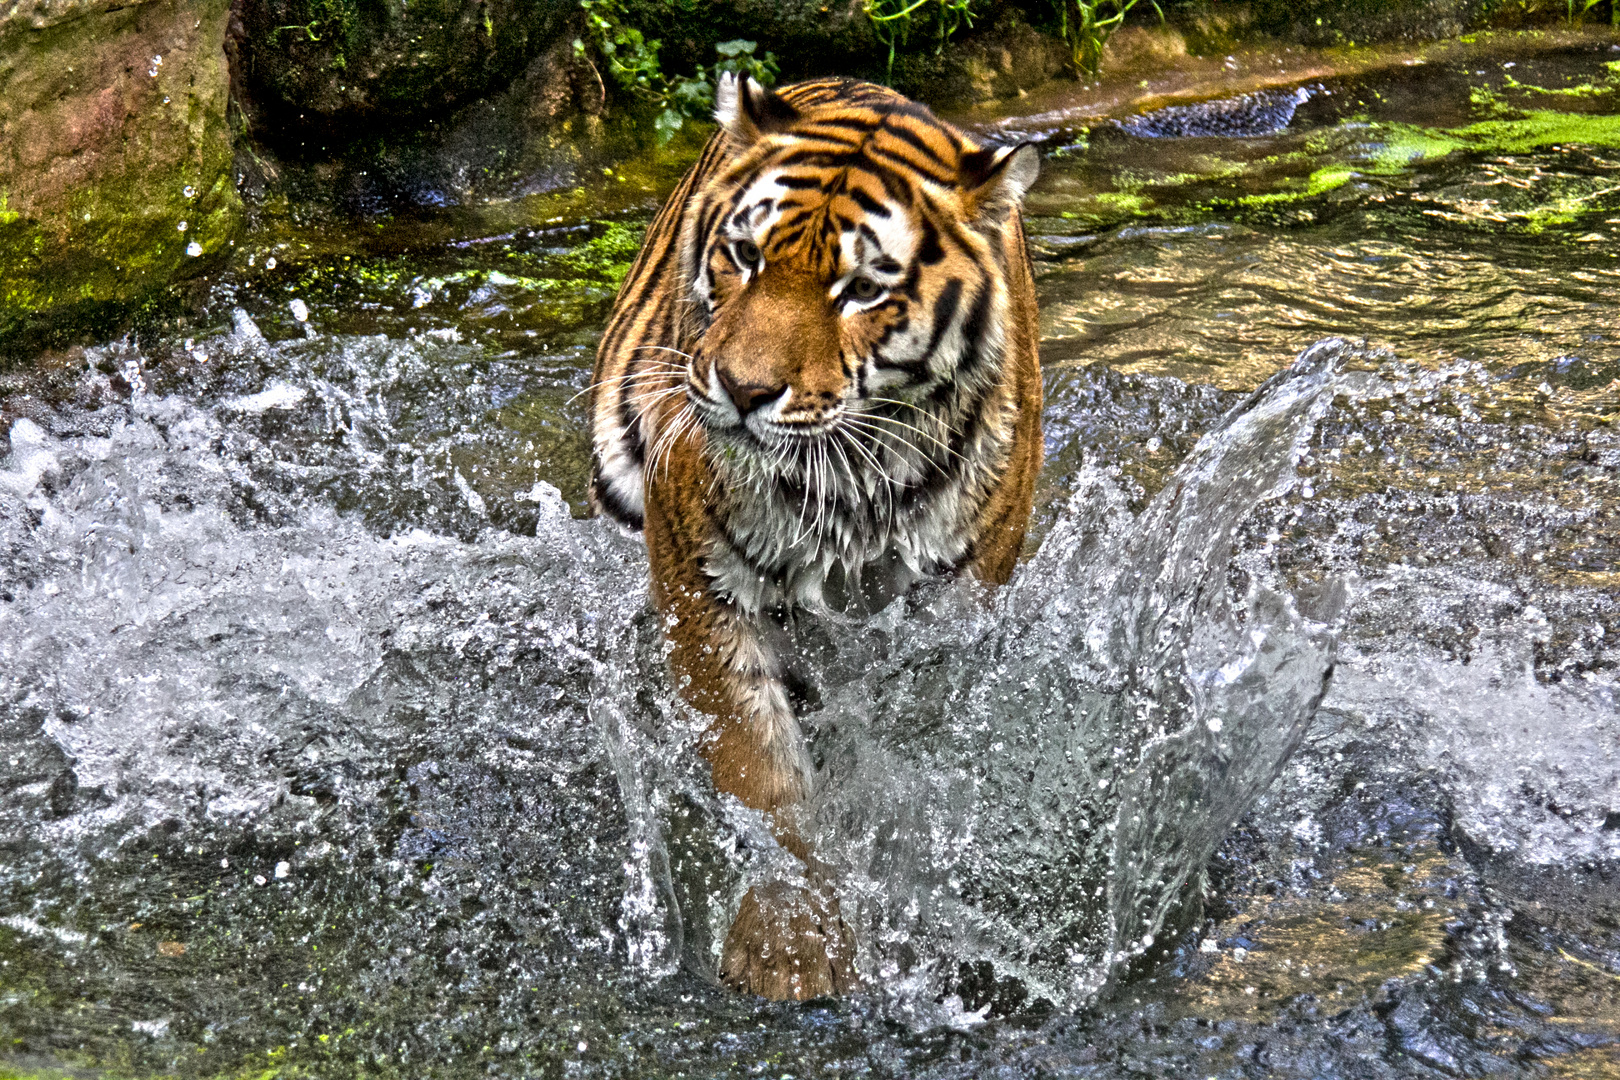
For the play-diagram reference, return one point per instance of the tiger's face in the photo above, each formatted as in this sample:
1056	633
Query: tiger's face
844	267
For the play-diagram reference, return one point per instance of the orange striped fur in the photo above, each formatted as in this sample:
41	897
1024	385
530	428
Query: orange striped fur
819	384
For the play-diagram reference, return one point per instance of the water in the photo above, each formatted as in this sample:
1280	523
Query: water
335	742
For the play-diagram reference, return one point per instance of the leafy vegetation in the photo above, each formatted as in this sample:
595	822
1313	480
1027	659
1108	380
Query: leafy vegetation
1578	10
633	61
1087	26
894	21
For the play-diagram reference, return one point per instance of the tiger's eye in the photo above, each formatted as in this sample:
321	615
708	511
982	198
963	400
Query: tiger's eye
864	288
748	252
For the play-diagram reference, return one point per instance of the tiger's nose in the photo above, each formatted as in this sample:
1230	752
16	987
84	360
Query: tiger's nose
747	396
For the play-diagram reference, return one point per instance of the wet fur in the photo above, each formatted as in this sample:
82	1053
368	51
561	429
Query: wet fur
788	446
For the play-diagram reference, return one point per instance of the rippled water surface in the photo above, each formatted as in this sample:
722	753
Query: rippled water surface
335	741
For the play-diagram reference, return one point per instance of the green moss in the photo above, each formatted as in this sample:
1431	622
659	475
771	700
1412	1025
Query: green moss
77	260
1122	202
608	256
1399	146
1580	90
1320	182
1402	145
1537	129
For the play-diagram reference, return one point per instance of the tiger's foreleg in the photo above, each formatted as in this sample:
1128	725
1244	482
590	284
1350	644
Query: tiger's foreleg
788	940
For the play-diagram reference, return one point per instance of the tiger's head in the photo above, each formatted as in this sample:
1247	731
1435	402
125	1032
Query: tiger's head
845	270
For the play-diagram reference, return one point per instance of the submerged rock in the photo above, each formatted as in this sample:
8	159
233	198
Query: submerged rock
114	155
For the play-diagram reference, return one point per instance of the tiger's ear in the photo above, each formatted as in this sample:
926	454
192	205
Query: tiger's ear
749	111
995	179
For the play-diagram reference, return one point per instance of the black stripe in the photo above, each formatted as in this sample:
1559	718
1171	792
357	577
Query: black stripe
867	203
919	368
705	227
906	163
800	183
950	297
629	419
929	251
974	331
893	186
820	159
845	123
786	240
912	139
791	219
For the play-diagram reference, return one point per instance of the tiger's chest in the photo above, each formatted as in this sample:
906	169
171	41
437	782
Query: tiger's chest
779	546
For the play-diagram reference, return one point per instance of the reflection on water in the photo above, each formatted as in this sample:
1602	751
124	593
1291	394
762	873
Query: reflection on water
331	744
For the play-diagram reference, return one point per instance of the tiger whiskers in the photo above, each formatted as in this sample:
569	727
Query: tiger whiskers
866	418
889	485
651	369
684	420
946	424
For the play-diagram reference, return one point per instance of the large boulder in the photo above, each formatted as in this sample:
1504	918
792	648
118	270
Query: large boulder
115	156
318	74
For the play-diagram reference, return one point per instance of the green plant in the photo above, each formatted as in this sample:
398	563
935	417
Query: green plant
693	96
632	60
1087	26
1579	8
894	21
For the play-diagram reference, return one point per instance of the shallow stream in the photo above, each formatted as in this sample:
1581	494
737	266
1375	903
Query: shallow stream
335	741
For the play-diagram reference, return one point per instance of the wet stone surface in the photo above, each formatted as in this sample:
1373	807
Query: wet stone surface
333	743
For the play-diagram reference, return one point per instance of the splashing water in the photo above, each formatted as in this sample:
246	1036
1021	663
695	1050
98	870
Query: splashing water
1033	779
1030	779
328	739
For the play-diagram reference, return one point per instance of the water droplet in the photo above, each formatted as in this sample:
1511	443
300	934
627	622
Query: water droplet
183	226
190	192
270	263
194	249
300	310
283	868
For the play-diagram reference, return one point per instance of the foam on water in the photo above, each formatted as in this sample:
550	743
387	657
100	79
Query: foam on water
194	638
1112	712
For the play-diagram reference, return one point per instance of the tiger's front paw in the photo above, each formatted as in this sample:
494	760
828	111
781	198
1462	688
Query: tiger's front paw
788	943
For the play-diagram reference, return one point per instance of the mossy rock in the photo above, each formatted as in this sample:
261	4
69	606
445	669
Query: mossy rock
115	158
312	73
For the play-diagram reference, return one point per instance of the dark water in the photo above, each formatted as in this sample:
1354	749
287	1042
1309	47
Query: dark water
334	744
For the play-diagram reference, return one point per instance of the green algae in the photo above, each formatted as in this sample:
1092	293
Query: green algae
1113	206
1542	128
1396	147
1579	90
1320	182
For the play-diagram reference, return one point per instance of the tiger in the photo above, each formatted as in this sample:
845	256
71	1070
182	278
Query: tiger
819	384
